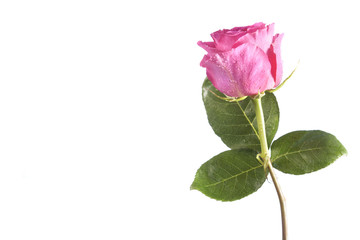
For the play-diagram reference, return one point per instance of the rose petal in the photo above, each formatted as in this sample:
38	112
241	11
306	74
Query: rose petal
274	55
225	39
262	37
219	75
208	46
254	27
242	71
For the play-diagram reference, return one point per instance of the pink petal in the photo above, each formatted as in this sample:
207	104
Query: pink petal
242	71
274	55
219	75
254	27
208	46
261	38
225	39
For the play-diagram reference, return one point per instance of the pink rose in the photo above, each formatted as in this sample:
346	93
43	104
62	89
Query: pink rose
243	61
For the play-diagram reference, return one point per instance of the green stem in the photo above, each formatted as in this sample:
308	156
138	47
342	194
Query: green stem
261	127
265	156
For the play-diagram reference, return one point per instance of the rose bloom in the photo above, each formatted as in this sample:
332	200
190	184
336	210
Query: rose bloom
243	61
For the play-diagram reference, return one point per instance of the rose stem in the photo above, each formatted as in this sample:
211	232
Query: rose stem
267	162
281	200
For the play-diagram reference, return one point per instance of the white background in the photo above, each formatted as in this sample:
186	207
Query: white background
102	126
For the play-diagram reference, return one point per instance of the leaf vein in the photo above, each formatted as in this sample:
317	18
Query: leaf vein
299	151
233	176
252	126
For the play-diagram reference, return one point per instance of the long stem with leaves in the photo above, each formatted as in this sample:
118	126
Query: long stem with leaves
265	156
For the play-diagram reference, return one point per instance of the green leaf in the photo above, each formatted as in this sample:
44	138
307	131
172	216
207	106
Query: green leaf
303	152
230	176
235	122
